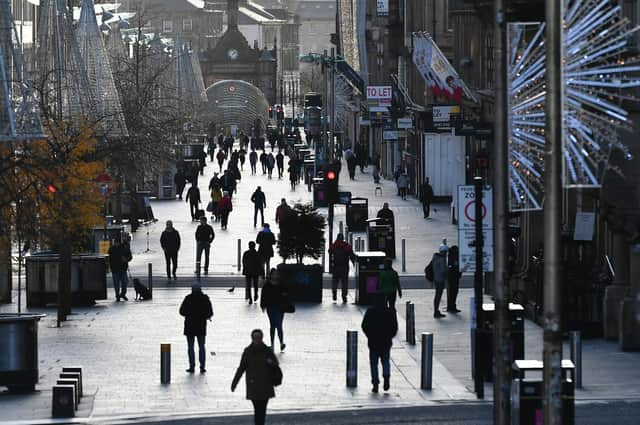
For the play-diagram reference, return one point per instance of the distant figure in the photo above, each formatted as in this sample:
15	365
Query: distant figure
252	270
403	185
253	160
193	198
221	156
180	180
282	210
386	215
170	243
340	253
259	204
266	240
426	197
119	257
211	148
242	154
196	309
439	264
204	236
263	162
280	163
224	208
380	326
258	362
274	298
271	162
389	283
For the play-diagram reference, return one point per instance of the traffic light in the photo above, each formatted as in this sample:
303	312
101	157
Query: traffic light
331	184
270	112
51	188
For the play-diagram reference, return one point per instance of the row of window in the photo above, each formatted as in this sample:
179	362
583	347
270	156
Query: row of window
167	25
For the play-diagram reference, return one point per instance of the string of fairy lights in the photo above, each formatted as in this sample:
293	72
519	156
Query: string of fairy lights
599	76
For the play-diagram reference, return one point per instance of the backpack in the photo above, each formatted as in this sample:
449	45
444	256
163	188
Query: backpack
428	272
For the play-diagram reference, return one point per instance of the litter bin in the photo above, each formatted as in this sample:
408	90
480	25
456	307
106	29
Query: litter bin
527	394
319	193
516	343
357	214
381	237
368	264
19	351
105	233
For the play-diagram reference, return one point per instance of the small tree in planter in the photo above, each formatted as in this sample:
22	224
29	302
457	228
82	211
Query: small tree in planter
302	235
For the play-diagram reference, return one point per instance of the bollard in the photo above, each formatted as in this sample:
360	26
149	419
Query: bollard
239	254
165	363
352	358
341	227
150	278
358	240
411	324
576	356
427	361
404	256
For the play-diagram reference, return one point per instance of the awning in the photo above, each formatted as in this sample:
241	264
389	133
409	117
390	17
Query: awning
436	70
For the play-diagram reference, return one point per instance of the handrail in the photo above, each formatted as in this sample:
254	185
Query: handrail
610	266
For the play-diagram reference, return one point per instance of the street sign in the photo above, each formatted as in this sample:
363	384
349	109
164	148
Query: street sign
390	135
382	7
405	122
379	92
466	208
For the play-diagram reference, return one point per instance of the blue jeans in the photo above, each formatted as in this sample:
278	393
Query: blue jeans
120	281
373	361
276	316
206	247
202	355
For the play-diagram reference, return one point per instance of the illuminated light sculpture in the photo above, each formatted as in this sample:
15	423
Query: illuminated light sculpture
595	36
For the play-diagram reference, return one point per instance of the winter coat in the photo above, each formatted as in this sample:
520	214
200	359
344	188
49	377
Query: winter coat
387	215
252	263
380	326
119	257
170	240
193	195
389	282
256	361
216	195
281	211
179	179
253	157
274	296
439	263
258	199
205	233
341	252
266	240
426	194
403	181
196	309
225	205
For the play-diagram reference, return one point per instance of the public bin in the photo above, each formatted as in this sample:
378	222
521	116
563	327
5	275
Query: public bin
357	214
368	265
319	193
516	343
381	237
527	393
19	351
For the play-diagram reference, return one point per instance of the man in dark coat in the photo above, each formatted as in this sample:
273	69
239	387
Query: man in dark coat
170	243
426	197
180	180
252	270
340	252
280	163
386	215
253	160
266	240
258	362
259	204
263	162
119	257
196	309
380	326
193	198
204	237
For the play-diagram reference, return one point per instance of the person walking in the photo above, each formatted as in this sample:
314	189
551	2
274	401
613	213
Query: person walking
403	185
274	298
242	155
389	283
204	236
271	162
196	309
258	361
386	215
180	180
263	161
170	243
252	270
426	197
253	160
453	279
439	264
216	197
221	156
259	204
280	163
193	198
119	257
293	175
211	148
282	210
380	326
266	240
224	208
340	252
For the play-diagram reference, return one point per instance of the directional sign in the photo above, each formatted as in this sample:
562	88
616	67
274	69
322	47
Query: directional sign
466	210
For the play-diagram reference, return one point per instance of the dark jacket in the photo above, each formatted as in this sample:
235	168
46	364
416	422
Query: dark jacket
196	309
252	263
205	233
180	179
274	296
253	157
259	199
193	195
380	326
426	194
119	257
256	361
266	241
341	252
387	216
170	240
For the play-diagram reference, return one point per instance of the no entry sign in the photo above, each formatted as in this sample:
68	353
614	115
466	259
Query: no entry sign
466	211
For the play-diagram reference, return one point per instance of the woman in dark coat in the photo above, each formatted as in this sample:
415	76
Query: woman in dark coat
266	240
257	361
274	297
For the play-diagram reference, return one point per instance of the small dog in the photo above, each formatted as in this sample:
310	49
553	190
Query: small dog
142	292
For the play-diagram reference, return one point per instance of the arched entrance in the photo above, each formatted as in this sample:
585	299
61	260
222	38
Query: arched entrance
236	103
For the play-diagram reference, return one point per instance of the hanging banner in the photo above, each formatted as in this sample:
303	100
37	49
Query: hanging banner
440	76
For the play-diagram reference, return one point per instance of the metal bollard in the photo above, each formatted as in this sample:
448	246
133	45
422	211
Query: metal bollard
411	324
404	256
576	356
239	254
341	227
352	358
165	363
426	374
150	278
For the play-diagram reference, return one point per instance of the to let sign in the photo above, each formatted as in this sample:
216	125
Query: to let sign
379	92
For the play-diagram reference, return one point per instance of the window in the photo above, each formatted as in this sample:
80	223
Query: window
167	26
187	25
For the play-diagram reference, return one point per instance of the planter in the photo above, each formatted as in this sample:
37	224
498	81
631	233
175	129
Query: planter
304	281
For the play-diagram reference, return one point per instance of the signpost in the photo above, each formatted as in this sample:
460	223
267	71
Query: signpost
467	228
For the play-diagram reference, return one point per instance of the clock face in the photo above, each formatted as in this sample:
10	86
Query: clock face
232	54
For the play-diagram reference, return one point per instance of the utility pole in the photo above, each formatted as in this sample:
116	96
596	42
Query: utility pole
552	354
333	103
481	338
502	328
325	112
